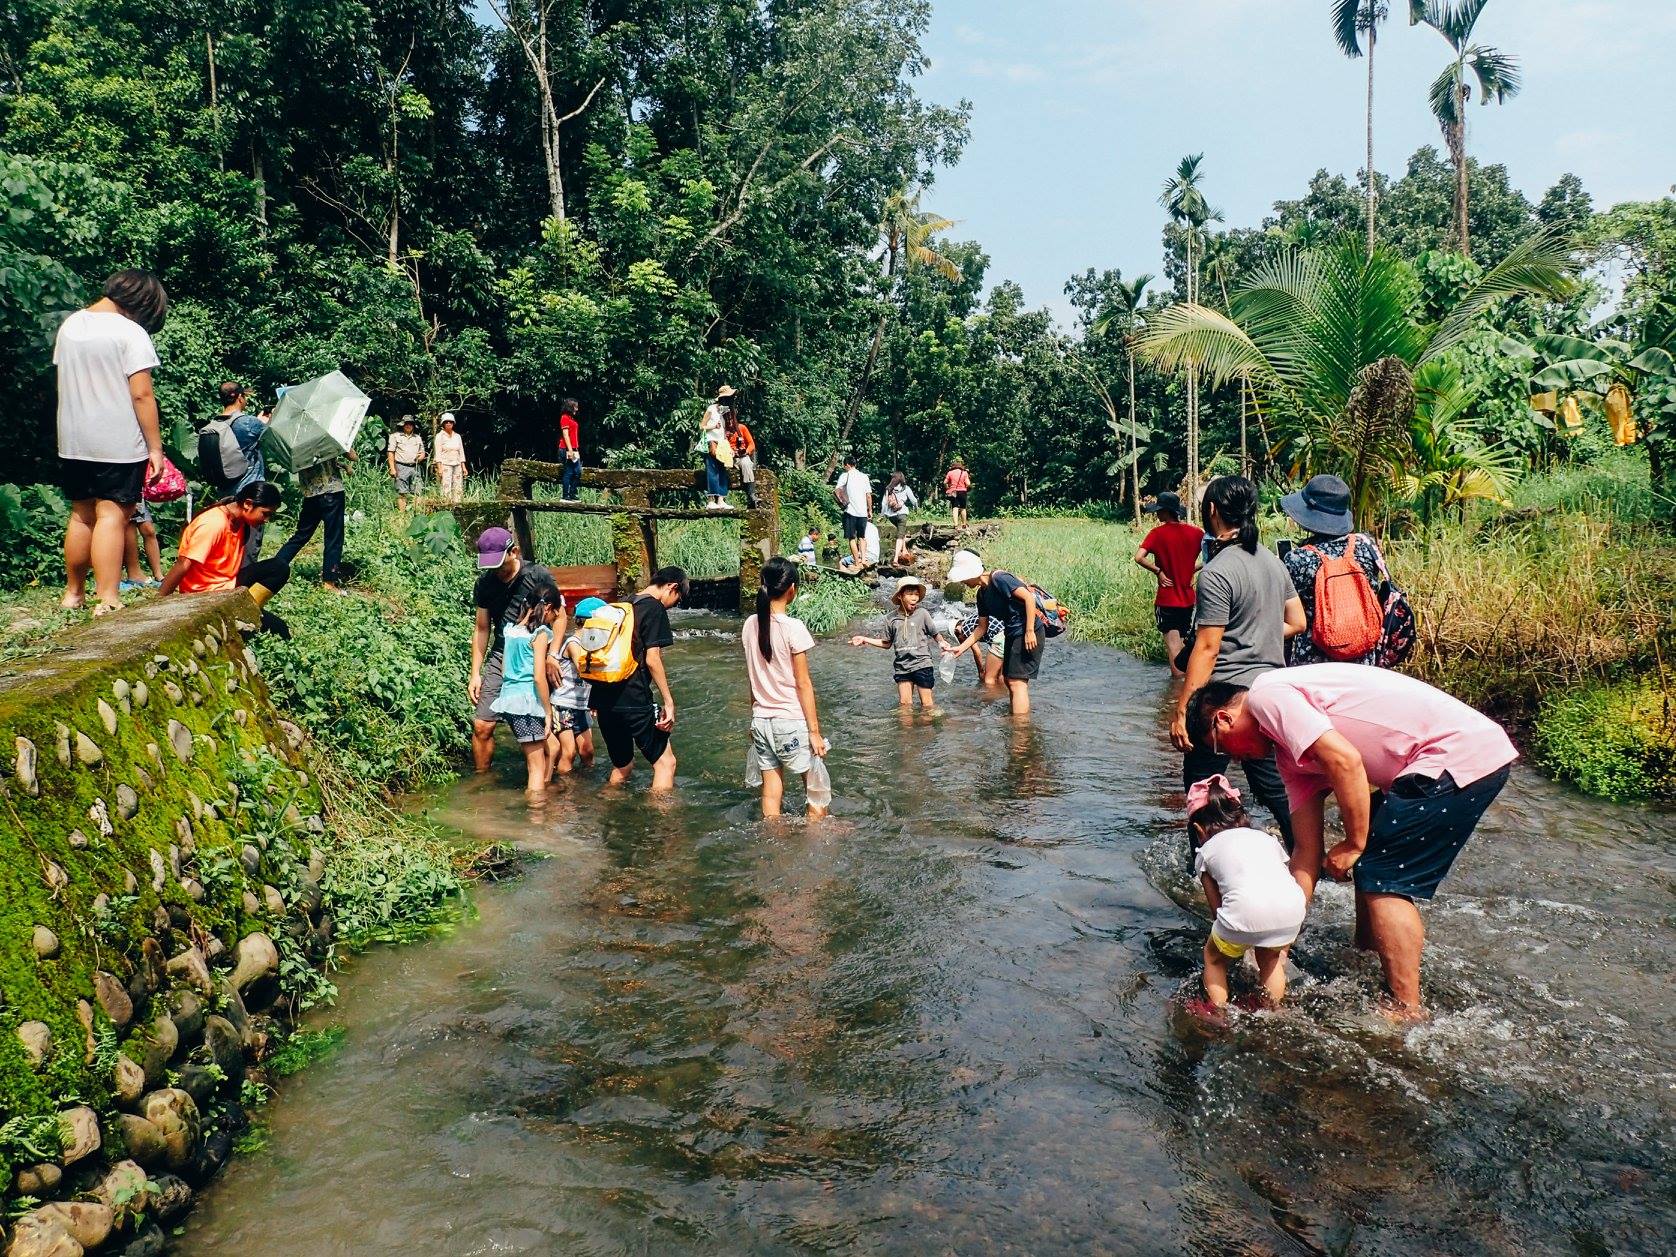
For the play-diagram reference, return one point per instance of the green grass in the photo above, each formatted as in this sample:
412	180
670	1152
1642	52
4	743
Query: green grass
1089	565
1617	740
303	1048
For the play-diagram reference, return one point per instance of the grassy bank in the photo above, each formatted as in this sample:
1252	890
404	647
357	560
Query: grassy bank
1557	614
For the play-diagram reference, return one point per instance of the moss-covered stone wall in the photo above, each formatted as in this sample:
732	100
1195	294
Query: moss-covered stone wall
157	874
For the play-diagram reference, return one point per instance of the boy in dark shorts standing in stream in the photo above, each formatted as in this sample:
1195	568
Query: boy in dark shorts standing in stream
628	718
1003	596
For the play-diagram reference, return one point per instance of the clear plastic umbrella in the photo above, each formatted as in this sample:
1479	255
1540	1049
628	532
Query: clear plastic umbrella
316	421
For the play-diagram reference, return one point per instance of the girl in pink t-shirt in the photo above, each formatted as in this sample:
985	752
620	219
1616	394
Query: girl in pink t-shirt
785	727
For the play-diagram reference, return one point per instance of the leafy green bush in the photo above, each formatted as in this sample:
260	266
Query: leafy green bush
1617	741
32	522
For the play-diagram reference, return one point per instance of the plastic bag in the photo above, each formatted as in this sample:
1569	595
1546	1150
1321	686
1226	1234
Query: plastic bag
753	770
945	669
819	782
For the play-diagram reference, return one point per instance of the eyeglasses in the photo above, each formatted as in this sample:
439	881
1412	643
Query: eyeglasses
1213	738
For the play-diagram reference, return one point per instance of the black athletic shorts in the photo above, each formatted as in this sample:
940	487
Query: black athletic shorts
958	500
83	481
922	678
626	728
855	527
1178	618
1019	664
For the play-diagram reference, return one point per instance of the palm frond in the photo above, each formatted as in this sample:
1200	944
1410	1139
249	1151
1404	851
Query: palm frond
1182	335
1423	11
1540	265
1347	26
1442	95
1497	72
1458	19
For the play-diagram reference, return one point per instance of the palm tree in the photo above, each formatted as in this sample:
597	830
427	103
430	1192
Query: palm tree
1329	344
1188	208
1351	20
1498	79
1125	310
908	232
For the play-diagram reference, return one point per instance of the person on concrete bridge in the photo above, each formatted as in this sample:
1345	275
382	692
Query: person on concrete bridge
505	588
1347	730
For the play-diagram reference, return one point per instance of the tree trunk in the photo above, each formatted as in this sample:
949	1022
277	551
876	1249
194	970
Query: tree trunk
1373	195
1192	382
1134	440
1457	151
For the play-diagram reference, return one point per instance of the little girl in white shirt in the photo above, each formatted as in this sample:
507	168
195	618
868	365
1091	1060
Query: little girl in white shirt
1247	884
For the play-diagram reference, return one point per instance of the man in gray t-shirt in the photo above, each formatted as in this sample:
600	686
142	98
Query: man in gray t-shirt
1245	595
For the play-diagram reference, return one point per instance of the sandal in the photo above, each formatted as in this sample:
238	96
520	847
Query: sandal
105	608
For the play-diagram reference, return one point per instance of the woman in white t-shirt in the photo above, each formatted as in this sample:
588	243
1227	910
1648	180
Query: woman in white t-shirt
785	727
109	439
450	459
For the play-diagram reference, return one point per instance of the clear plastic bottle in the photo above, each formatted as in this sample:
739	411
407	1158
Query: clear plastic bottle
819	782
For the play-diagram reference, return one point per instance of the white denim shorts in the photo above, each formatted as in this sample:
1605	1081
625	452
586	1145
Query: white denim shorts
780	743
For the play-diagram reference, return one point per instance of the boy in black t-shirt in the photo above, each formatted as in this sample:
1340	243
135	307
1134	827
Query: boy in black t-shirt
1004	597
505	587
628	716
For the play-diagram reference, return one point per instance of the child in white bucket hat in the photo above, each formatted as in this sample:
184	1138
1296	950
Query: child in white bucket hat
910	632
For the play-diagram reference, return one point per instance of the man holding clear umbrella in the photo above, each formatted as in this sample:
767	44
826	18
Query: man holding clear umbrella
314	427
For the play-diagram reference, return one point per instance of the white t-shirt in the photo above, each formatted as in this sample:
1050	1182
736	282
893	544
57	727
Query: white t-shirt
870	543
450	449
773	683
1262	905
858	487
95	354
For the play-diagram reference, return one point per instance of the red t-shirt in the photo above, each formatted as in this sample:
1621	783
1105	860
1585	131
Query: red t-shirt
1176	547
570	433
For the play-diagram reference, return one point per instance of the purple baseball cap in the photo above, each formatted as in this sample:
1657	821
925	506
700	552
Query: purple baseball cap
493	545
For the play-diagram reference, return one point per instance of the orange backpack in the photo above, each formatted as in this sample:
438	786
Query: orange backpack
1348	618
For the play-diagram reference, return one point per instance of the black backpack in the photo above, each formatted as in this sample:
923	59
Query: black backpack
221	459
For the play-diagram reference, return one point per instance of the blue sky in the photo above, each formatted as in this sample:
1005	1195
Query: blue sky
1081	109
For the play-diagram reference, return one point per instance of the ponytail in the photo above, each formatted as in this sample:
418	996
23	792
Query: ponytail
1235	500
778	576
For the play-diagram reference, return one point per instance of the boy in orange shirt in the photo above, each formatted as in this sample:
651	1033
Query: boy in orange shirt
211	555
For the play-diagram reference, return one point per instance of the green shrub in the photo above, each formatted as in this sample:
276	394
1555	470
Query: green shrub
1617	740
32	524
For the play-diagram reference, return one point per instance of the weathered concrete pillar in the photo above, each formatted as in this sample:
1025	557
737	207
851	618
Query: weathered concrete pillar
759	539
634	543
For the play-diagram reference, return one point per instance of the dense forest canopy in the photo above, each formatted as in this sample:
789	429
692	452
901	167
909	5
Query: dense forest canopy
488	209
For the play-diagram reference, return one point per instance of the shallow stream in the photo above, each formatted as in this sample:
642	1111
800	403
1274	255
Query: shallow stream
946	1020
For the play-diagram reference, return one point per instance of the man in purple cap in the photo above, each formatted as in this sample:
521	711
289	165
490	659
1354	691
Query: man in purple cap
504	588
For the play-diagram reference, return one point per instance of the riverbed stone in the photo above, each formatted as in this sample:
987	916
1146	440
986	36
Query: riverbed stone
39	1180
45	942
175	1114
141	1139
127	802
36	1037
186	1010
77	840
27	759
130	883
171	1196
87	750
39	1235
151	971
142	695
80	1128
255	958
159	870
273	900
107	716
125	1189
180	740
56	878
191	967
193	888
251	904
158	1047
225	1046
128	1081
113	997
177	696
87	1221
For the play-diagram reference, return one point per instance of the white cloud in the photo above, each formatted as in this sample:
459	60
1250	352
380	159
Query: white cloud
1010	71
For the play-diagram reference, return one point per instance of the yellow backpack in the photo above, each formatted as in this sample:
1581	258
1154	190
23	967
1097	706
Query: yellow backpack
607	641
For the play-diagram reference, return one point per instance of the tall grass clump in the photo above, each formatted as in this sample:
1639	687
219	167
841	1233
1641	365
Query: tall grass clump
1614	740
1089	565
825	603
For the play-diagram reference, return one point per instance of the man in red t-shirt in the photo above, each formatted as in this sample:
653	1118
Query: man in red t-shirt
1171	553
570	449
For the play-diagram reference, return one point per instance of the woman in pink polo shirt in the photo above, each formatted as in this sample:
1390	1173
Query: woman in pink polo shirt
1347	730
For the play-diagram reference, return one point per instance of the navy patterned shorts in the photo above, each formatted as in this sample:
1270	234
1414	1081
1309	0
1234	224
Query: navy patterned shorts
1419	829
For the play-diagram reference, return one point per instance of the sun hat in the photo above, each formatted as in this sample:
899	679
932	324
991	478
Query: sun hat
447	417
493	545
906	582
966	566
1321	506
407	419
1165	501
1198	794
588	606
725	390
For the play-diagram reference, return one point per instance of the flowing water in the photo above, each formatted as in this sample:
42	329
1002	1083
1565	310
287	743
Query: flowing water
947	1019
